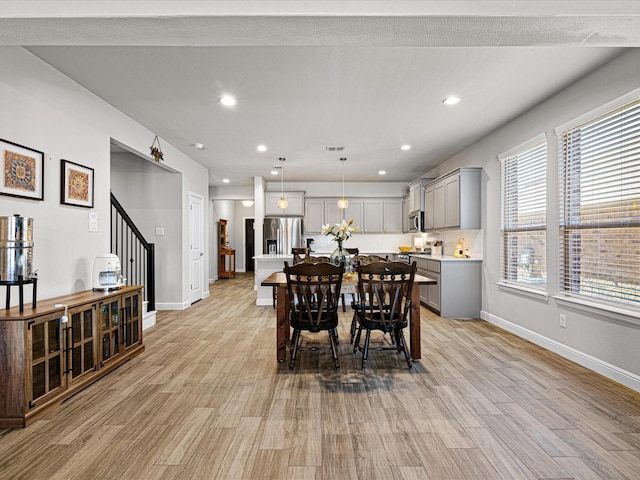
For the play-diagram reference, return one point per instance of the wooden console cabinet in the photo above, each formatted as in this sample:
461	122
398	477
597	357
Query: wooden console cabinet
44	360
226	255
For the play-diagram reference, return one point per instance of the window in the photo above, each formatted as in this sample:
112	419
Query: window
600	205
524	214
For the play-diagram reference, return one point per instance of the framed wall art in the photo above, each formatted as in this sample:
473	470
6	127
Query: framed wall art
22	171
76	184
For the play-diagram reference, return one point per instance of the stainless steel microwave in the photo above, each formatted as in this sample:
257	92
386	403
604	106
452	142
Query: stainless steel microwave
416	221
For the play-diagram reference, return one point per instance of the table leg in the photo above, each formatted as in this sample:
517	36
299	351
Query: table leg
414	323
282	330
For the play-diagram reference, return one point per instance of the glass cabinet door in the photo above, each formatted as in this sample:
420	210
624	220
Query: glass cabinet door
132	323
110	330
81	343
47	359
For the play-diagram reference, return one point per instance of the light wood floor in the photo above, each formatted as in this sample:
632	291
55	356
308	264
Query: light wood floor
207	400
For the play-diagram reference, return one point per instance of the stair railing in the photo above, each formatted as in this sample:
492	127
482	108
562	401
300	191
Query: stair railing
137	256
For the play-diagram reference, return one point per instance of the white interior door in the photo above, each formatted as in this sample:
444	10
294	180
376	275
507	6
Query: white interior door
196	241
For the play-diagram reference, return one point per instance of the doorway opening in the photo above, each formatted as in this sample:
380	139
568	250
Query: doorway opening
249	244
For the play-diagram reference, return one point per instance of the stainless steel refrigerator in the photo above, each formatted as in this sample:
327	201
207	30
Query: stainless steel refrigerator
283	234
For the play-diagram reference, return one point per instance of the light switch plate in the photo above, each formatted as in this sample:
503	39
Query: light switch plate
93	221
159	231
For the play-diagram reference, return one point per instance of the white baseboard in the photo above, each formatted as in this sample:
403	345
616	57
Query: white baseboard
172	306
149	320
264	302
612	372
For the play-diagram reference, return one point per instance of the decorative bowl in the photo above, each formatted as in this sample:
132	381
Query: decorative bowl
405	248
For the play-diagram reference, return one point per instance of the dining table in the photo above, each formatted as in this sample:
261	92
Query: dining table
349	285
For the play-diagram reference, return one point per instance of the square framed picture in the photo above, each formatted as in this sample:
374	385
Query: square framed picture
76	184
22	171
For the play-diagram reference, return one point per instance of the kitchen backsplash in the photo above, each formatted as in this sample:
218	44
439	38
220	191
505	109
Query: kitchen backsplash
471	239
389	243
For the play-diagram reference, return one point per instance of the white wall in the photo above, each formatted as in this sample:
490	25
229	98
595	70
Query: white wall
45	110
596	339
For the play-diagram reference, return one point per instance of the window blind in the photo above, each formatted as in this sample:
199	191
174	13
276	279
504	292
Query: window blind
600	206
524	216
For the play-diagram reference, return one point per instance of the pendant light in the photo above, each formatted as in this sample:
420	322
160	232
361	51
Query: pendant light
282	203
343	203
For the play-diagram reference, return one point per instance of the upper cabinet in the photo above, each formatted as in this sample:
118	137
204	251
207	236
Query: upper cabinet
373	214
453	201
405	214
392	216
428	207
313	215
369	215
295	208
383	216
318	211
415	195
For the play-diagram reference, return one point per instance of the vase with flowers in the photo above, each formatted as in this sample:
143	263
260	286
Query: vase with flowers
341	232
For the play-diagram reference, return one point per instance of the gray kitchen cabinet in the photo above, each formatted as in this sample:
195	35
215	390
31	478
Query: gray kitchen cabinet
458	291
354	212
313	216
373	216
392	215
332	214
415	192
456	201
320	211
383	215
428	207
405	214
295	208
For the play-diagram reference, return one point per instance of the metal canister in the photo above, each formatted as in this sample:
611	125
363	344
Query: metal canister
16	248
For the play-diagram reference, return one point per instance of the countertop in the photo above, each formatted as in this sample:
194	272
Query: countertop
317	254
445	258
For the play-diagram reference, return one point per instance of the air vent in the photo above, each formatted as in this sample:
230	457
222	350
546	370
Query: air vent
334	148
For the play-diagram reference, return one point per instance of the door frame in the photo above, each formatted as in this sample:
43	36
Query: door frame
193	295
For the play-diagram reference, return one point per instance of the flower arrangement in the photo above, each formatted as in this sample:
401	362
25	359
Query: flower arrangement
340	231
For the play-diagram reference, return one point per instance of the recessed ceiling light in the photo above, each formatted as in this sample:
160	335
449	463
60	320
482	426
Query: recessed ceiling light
382	172
452	100
228	101
262	148
274	172
405	147
225	180
199	146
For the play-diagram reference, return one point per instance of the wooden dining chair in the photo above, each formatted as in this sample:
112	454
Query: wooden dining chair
314	289
298	255
384	290
356	261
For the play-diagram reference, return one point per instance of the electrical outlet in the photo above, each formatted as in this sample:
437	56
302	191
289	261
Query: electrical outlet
563	320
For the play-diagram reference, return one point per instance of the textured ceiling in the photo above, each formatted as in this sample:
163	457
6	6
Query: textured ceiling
370	78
